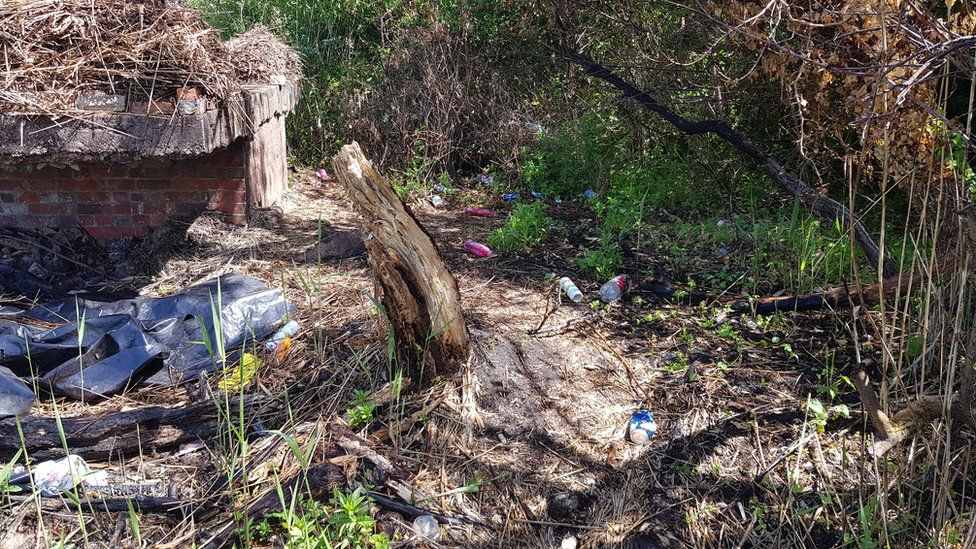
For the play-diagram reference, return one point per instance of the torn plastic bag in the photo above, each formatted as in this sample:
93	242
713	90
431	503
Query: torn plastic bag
16	397
158	340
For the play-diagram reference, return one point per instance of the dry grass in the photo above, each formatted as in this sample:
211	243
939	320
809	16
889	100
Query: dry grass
738	460
260	56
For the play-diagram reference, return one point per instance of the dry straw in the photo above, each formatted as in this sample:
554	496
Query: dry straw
52	49
260	56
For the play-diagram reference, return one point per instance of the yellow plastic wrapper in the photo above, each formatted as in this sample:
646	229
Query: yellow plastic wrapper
241	374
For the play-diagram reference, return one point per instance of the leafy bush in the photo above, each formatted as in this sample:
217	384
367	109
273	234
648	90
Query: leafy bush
603	262
527	226
391	73
345	522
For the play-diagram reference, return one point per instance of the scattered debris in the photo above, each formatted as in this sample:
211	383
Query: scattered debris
572	292
427	528
480	212
614	288
286	332
477	248
53	477
84	347
437	201
641	428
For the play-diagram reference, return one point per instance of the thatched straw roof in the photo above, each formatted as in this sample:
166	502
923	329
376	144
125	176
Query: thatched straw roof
260	56
55	50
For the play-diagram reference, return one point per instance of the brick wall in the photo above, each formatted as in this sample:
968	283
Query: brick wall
117	200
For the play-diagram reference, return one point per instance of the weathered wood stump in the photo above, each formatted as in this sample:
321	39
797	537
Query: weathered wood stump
419	295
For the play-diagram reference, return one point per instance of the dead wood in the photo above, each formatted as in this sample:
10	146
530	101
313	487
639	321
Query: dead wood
917	414
420	297
858	294
104	437
827	208
141	504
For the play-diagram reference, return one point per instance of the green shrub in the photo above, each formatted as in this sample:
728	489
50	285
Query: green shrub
528	226
603	262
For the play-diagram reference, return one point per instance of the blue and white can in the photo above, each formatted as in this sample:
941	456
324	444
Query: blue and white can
641	428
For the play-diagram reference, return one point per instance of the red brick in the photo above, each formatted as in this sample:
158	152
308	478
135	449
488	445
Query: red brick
237	218
37	208
93	197
189	207
103	233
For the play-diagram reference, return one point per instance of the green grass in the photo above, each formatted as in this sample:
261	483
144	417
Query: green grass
527	226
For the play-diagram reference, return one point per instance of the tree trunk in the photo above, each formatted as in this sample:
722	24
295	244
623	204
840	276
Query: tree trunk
419	295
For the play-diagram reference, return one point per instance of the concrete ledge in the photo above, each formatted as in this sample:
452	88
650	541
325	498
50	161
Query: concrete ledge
126	137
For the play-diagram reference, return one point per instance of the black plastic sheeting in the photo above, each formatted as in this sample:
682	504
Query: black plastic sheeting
151	340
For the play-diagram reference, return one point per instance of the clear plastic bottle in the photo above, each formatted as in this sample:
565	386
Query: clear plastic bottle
614	288
572	292
287	331
477	248
427	528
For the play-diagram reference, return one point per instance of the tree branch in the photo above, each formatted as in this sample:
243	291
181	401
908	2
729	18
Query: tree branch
827	208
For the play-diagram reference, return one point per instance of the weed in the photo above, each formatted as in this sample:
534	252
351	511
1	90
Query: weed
818	414
602	262
361	413
528	226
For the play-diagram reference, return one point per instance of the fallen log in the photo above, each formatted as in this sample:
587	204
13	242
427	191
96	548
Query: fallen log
859	294
109	436
824	206
420	297
140	504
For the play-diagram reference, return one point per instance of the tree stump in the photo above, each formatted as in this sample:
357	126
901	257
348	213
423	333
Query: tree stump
419	295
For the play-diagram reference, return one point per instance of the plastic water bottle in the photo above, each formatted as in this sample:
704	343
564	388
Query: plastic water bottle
572	292
481	212
510	196
614	288
477	248
286	332
590	194
641	428
60	475
537	195
427	528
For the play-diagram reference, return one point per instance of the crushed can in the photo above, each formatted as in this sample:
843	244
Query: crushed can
641	428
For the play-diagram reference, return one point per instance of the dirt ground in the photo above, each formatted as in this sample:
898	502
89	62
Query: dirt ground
540	425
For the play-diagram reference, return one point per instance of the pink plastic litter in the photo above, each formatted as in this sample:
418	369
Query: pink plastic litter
481	212
477	249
